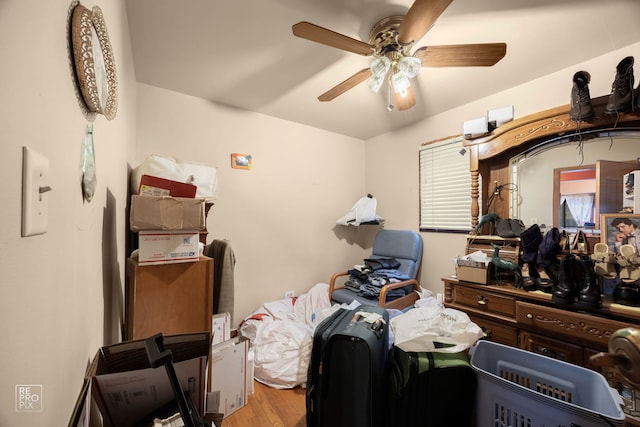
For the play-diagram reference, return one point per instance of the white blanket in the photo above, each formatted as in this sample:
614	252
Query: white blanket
281	334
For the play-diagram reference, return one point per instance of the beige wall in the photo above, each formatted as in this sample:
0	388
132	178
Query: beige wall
280	215
61	292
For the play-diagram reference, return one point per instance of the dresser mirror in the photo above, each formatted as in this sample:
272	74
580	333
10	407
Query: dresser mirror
568	182
513	169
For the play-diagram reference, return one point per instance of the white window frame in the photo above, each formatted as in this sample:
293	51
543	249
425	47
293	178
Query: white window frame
445	186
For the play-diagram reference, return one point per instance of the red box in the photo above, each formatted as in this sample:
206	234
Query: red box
155	186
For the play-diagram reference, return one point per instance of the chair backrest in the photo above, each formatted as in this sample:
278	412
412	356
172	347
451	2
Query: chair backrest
403	245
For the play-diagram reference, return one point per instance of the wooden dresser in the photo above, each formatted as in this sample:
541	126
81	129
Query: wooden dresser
531	321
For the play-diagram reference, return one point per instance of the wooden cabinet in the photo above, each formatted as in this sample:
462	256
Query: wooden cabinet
533	312
168	298
531	321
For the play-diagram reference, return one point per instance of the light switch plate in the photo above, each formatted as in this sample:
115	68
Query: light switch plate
35	205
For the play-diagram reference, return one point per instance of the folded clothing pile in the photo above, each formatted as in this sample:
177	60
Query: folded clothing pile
368	279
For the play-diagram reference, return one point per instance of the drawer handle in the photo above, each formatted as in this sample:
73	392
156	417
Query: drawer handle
482	300
529	316
488	333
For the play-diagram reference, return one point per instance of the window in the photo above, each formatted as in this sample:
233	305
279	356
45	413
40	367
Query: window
445	186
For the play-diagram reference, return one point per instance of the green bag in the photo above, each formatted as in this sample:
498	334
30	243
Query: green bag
431	389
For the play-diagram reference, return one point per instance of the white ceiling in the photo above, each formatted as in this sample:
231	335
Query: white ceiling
243	54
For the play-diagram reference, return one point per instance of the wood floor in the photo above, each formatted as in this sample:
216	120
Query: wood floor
269	407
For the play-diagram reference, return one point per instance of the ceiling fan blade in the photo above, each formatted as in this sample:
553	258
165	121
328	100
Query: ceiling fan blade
462	55
350	83
403	103
420	17
315	33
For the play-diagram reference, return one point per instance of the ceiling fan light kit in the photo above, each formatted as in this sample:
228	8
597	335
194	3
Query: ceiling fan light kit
400	83
390	42
375	82
409	66
380	66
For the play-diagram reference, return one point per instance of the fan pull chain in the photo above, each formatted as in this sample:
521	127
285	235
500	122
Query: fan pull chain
390	105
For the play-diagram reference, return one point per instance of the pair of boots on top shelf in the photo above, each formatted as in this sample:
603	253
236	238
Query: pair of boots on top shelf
623	97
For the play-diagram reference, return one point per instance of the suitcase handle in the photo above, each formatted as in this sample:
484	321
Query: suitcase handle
375	320
378	327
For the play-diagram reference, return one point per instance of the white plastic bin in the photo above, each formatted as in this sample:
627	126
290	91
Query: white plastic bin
521	388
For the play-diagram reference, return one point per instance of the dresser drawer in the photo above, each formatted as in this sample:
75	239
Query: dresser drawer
497	332
579	325
484	301
549	347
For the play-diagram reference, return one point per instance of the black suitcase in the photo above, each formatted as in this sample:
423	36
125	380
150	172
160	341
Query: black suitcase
431	389
347	376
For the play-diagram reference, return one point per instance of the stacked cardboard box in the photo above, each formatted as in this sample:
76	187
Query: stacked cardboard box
168	226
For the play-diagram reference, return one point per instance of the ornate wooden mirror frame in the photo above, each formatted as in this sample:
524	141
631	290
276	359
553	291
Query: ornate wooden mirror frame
489	156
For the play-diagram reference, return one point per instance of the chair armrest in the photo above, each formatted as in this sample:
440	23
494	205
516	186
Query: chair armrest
332	282
402	302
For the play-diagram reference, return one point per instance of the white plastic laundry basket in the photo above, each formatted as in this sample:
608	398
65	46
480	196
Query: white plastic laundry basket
521	388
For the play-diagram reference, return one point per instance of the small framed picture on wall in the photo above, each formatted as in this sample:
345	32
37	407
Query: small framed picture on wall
620	229
240	161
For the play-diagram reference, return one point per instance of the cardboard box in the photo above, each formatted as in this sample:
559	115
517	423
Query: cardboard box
228	376
479	272
166	213
128	392
221	328
250	372
164	247
156	186
473	273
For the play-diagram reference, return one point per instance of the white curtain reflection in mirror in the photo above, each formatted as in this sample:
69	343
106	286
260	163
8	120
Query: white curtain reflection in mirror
577	210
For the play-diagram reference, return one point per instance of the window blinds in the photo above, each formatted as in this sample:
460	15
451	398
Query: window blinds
445	186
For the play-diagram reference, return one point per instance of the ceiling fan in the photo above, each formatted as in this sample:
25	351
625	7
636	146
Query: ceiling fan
390	42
